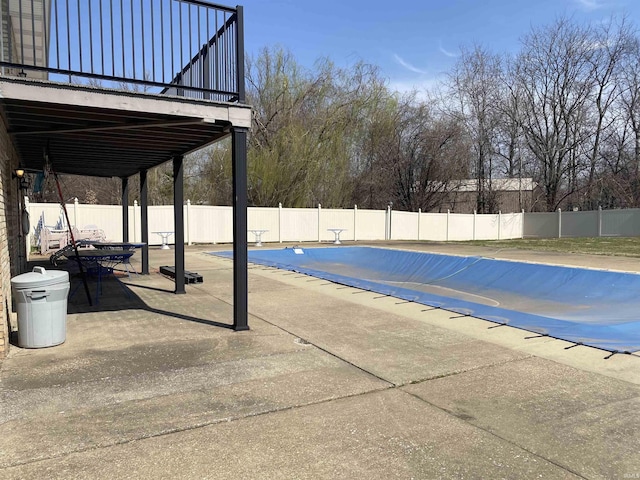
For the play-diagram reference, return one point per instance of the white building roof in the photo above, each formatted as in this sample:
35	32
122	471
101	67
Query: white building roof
497	184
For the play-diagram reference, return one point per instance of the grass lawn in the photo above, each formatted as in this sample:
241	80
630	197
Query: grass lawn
621	246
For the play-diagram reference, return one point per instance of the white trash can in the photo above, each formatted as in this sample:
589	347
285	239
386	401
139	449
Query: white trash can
40	299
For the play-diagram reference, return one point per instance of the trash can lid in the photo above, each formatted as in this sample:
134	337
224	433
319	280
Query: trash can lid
39	277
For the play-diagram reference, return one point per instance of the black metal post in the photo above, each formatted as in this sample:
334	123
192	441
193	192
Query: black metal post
22	239
240	269
240	52
178	221
125	209
144	221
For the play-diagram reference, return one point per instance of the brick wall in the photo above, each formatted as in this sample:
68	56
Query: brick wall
12	259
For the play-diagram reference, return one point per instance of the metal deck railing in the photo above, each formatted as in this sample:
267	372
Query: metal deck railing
190	48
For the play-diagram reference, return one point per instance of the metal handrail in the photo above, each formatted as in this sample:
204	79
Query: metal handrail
182	47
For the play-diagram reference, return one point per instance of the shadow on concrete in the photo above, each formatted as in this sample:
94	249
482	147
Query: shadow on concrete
117	295
188	318
111	295
154	289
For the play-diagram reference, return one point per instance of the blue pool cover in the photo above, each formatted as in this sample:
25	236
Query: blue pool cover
591	307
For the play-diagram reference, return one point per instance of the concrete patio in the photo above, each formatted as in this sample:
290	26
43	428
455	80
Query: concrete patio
330	382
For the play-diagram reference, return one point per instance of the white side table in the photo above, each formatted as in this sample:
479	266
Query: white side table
336	233
258	235
165	239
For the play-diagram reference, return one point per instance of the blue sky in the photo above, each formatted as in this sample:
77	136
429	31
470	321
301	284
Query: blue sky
413	41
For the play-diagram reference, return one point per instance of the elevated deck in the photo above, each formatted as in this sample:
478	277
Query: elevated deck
108	132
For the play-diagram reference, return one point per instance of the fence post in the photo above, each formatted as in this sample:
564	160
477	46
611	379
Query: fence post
522	224
319	212
386	223
188	219
355	222
599	221
75	212
419	215
559	223
135	227
280	222
499	223
447	233
475	215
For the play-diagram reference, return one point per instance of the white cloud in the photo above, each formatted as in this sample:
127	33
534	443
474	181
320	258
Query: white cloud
407	65
590	5
420	86
446	52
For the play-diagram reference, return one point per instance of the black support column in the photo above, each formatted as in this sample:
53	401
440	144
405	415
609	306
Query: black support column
178	221
125	209
240	274
239	161
144	221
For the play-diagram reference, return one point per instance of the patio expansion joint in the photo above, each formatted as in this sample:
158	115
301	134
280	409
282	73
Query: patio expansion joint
234	418
496	435
198	426
466	370
145	374
391	383
328	352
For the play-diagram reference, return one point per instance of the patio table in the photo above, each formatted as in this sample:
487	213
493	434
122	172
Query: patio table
100	262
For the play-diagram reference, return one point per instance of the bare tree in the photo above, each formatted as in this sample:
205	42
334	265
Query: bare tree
610	44
409	154
432	160
623	152
553	75
476	85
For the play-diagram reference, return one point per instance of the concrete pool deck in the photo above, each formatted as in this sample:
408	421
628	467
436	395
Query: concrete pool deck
330	382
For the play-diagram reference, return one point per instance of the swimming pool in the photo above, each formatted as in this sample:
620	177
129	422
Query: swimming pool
591	307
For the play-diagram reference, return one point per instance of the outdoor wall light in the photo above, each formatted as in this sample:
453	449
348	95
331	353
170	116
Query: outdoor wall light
19	173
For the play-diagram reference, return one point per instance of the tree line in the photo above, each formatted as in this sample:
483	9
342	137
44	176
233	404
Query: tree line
563	110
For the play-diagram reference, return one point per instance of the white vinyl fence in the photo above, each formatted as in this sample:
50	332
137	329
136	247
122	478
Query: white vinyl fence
211	224
595	223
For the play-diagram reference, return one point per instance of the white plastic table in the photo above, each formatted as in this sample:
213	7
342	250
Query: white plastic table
258	234
165	239
336	233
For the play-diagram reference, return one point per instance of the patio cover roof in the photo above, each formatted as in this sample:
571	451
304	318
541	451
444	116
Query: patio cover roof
112	133
109	133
